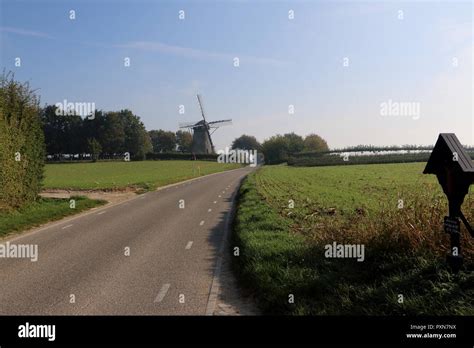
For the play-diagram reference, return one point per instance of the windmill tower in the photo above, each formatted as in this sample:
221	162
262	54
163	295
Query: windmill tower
202	141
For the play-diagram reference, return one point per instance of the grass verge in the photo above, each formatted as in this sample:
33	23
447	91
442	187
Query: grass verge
398	277
42	211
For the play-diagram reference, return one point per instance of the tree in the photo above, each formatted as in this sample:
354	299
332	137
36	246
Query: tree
112	133
162	141
314	142
94	148
63	133
117	132
246	142
275	149
137	141
22	147
184	140
295	142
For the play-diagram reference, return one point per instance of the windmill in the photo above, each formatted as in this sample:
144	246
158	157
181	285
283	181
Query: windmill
202	141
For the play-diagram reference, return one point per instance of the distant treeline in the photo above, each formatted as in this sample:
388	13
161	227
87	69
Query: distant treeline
105	135
371	148
345	158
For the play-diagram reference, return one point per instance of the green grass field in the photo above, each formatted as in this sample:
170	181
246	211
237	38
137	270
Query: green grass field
118	175
282	248
42	211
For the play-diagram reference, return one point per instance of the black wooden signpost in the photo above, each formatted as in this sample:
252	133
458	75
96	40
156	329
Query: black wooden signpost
455	172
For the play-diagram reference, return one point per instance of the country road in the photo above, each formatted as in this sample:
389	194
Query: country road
169	271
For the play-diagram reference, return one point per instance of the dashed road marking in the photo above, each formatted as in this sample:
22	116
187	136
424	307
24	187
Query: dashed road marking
201	223
219	196
209	210
67	226
161	295
215	202
189	245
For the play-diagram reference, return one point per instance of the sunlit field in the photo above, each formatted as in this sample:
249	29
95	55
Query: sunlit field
119	175
287	216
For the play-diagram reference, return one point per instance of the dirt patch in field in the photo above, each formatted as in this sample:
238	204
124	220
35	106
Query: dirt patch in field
110	196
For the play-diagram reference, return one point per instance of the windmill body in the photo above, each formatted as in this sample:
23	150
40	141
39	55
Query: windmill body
202	141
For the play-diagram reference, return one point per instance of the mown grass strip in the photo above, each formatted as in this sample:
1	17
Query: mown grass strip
42	211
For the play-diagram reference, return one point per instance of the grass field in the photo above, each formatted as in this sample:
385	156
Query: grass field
118	175
42	211
404	271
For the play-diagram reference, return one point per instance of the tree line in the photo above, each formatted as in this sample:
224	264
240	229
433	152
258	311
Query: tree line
277	148
106	134
110	134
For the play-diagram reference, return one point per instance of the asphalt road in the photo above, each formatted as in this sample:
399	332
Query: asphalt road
170	269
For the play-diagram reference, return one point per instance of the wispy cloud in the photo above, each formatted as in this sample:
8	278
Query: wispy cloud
25	32
196	53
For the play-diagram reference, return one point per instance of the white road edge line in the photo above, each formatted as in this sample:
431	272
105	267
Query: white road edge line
214	292
102	212
189	245
161	295
67	226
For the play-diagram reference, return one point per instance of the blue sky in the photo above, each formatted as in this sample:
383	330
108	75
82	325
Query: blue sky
283	62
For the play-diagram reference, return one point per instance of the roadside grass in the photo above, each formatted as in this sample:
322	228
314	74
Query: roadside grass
141	175
42	211
282	248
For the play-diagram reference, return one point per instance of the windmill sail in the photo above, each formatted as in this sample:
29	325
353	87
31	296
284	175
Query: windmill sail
220	123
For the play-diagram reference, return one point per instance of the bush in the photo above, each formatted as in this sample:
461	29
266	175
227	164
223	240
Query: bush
22	147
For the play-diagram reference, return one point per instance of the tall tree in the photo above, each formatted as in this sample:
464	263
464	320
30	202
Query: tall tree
63	133
314	142
184	140
246	142
162	141
112	133
295	142
275	149
137	140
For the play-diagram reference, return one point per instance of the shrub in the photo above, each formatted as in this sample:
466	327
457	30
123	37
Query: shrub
22	147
